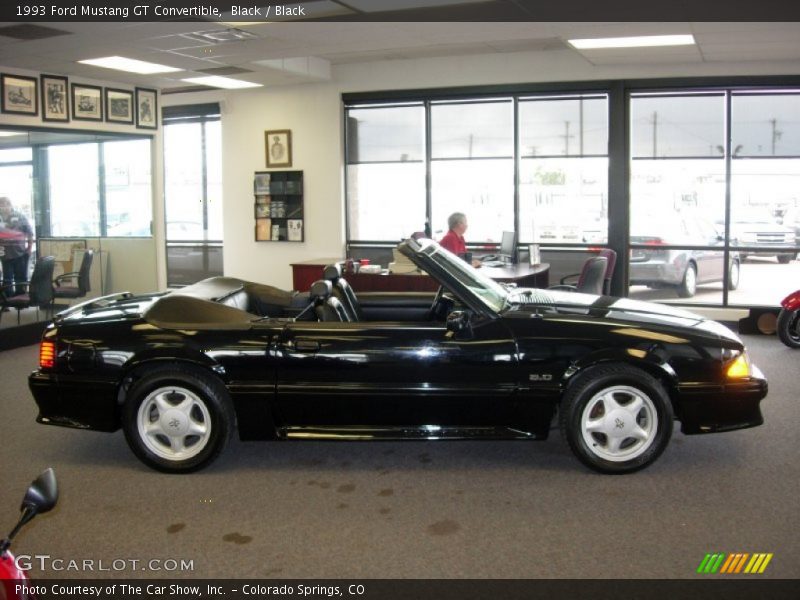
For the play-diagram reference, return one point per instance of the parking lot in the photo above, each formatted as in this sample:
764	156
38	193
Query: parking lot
762	282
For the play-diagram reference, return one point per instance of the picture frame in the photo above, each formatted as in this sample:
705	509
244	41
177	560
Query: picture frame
119	106
262	211
19	95
87	102
55	98
278	147
146	108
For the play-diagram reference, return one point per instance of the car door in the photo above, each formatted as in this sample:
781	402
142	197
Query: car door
394	374
712	260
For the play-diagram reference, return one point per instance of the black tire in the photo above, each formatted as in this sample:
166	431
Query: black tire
189	411
588	399
688	287
788	324
734	273
785	259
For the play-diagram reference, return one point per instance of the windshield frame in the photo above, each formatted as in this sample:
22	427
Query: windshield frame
480	289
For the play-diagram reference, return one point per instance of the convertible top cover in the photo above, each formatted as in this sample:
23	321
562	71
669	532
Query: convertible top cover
218	303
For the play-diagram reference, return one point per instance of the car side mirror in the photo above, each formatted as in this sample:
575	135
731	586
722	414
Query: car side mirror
458	323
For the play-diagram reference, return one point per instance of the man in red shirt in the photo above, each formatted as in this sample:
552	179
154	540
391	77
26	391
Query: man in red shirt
454	239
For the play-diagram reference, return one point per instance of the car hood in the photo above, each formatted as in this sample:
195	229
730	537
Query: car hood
632	312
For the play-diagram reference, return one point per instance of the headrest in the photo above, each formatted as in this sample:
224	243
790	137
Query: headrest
321	289
332	272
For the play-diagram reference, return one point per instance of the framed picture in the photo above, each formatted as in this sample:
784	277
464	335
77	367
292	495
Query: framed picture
262	211
19	95
55	98
87	102
119	106
279	148
146	108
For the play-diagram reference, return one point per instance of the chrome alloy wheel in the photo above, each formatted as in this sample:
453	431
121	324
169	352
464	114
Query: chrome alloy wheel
174	423
619	423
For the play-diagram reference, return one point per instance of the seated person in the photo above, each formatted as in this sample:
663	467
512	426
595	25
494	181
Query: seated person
454	238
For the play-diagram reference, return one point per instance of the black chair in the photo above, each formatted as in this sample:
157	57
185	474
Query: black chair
611	256
81	281
591	278
40	289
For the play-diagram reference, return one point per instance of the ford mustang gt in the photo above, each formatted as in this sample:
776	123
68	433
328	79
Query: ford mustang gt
182	372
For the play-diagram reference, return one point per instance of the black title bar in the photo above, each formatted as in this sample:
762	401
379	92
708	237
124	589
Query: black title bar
340	10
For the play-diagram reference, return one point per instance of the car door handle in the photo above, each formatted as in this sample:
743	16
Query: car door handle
306	345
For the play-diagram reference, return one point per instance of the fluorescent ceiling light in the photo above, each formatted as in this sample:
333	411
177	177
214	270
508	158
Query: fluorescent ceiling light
222	82
120	63
11	133
641	41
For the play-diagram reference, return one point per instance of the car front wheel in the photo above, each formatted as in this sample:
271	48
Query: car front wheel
785	259
688	287
616	418
177	419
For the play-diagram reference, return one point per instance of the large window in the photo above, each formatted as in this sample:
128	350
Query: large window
386	172
713	210
472	166
411	165
100	189
193	192
563	188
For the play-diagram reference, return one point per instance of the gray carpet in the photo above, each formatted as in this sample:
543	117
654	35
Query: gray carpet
412	510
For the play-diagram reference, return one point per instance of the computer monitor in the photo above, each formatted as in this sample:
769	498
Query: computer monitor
508	247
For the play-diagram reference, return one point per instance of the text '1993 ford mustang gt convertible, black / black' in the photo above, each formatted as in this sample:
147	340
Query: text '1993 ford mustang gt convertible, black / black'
180	372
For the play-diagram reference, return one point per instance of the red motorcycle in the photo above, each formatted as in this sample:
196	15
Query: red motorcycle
789	320
41	497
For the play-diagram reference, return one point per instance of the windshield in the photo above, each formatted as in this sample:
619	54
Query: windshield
488	291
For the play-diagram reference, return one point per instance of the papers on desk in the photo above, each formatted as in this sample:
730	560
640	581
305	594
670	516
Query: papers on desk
401	265
493	263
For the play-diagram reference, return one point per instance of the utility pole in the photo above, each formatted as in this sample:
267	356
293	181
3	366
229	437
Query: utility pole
776	134
655	134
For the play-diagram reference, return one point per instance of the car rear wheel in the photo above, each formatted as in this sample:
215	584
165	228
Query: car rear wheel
785	259
733	275
688	287
177	419
616	418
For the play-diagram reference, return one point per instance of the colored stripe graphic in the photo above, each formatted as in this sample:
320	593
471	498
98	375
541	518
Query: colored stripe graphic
736	562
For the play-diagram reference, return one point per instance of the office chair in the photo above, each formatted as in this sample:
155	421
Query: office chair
81	281
611	257
40	289
591	278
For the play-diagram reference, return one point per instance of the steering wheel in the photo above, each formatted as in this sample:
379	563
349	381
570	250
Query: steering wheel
432	312
443	303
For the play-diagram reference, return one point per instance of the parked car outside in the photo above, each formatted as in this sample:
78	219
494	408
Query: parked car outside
180	372
653	263
755	228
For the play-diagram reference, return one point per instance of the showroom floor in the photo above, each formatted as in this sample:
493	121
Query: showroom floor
411	510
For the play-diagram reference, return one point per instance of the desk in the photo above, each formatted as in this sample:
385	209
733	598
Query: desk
307	272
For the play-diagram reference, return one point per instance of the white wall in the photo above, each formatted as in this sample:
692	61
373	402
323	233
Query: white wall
314	114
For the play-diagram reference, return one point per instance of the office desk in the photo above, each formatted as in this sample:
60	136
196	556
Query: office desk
307	272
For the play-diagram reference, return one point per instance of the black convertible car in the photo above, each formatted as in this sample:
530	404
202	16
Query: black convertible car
179	372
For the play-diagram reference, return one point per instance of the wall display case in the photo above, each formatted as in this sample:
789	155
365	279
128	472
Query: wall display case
278	206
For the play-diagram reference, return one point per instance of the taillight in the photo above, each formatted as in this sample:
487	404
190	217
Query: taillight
47	355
